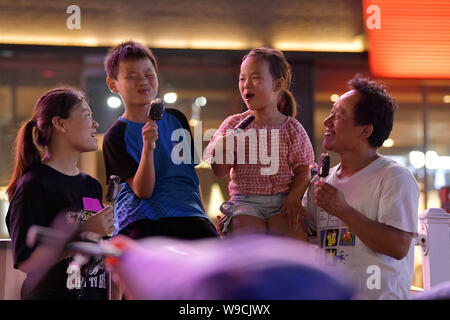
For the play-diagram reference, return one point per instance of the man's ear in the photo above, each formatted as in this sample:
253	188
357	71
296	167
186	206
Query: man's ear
58	124
366	131
111	83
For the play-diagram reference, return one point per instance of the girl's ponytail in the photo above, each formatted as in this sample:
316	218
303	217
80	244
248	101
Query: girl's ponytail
287	104
27	155
279	68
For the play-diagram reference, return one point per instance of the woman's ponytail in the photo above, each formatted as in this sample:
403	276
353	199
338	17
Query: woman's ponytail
26	155
35	135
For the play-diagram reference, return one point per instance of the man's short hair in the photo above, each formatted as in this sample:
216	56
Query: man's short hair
128	50
375	107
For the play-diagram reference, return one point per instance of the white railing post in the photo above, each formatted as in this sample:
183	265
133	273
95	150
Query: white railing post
434	238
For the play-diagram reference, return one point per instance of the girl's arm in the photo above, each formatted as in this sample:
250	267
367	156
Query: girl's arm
292	205
221	170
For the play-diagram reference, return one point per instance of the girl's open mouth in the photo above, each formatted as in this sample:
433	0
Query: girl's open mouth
249	96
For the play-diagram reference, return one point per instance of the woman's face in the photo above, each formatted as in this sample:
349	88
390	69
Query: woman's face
81	128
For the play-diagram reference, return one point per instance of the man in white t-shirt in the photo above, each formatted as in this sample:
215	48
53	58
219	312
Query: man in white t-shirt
365	211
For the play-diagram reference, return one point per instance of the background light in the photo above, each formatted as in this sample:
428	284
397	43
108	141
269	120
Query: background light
417	159
170	97
201	101
446	98
334	97
432	160
114	102
388	143
193	122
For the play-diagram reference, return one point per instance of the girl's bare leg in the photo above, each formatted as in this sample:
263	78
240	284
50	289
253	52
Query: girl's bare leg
279	225
245	224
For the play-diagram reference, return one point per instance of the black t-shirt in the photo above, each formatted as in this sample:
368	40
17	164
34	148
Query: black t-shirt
42	194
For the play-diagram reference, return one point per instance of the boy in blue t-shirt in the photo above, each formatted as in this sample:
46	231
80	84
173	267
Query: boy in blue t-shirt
158	197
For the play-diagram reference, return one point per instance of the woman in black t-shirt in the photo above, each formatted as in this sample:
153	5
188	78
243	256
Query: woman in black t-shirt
46	185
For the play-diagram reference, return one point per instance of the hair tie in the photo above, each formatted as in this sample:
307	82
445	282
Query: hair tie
32	122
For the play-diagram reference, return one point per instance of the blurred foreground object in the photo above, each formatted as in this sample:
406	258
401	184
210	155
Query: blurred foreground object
258	267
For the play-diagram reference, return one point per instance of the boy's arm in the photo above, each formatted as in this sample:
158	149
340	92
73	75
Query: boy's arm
143	181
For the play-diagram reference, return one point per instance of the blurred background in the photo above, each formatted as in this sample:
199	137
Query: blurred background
199	45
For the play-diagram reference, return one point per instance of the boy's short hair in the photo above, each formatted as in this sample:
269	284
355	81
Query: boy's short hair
128	50
375	107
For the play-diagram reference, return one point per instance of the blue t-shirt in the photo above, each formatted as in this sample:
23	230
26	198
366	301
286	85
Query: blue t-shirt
176	191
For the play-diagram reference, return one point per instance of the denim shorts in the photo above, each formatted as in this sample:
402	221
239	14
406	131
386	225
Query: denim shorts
260	206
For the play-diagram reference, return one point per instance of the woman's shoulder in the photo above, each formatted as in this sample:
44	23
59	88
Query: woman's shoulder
32	179
89	179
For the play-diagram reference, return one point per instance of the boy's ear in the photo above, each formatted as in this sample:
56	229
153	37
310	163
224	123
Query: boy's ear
58	124
111	83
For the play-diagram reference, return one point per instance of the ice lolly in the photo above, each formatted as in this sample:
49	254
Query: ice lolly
113	188
244	123
324	165
156	109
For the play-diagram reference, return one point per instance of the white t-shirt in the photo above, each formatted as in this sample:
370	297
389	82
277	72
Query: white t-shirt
385	192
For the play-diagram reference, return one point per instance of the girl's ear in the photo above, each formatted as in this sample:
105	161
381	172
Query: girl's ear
111	83
279	84
58	124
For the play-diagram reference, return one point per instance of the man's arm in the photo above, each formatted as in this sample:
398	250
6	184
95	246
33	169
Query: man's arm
377	236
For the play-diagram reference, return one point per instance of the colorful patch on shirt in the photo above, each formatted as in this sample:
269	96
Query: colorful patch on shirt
91	204
79	217
347	238
330	257
331	237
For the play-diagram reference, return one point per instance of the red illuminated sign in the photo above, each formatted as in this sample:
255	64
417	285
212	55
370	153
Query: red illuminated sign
408	38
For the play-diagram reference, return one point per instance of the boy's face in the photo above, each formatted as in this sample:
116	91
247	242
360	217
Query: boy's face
136	83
